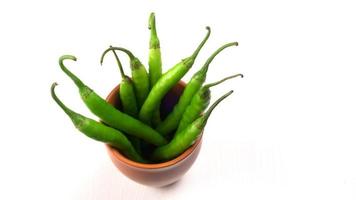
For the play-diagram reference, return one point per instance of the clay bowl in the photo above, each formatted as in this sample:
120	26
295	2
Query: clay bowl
160	174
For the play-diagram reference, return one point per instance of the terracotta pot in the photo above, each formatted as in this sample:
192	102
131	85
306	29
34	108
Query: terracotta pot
160	174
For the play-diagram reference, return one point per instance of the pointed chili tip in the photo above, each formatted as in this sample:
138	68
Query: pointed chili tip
151	20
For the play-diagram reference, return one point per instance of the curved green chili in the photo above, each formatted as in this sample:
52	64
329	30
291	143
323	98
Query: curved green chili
99	131
186	137
138	74
172	120
109	114
127	93
166	82
199	102
128	99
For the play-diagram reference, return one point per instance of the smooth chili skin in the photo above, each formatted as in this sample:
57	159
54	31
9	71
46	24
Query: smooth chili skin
171	122
166	82
186	137
128	99
154	56
198	104
99	131
156	117
154	62
139	75
127	93
109	114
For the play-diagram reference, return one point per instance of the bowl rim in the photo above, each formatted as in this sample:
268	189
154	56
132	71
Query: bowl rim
116	153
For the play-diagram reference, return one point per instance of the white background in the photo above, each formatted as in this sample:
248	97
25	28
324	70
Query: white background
288	131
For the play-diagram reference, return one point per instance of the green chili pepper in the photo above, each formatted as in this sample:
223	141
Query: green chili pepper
138	73
154	58
166	82
171	121
186	137
99	131
127	93
199	102
128	99
154	62
110	115
156	117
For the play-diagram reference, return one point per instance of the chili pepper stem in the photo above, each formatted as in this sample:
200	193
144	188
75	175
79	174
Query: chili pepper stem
222	80
213	106
196	52
76	80
131	56
68	111
190	60
205	68
119	64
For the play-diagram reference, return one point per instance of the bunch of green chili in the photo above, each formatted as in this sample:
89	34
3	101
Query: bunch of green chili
137	126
